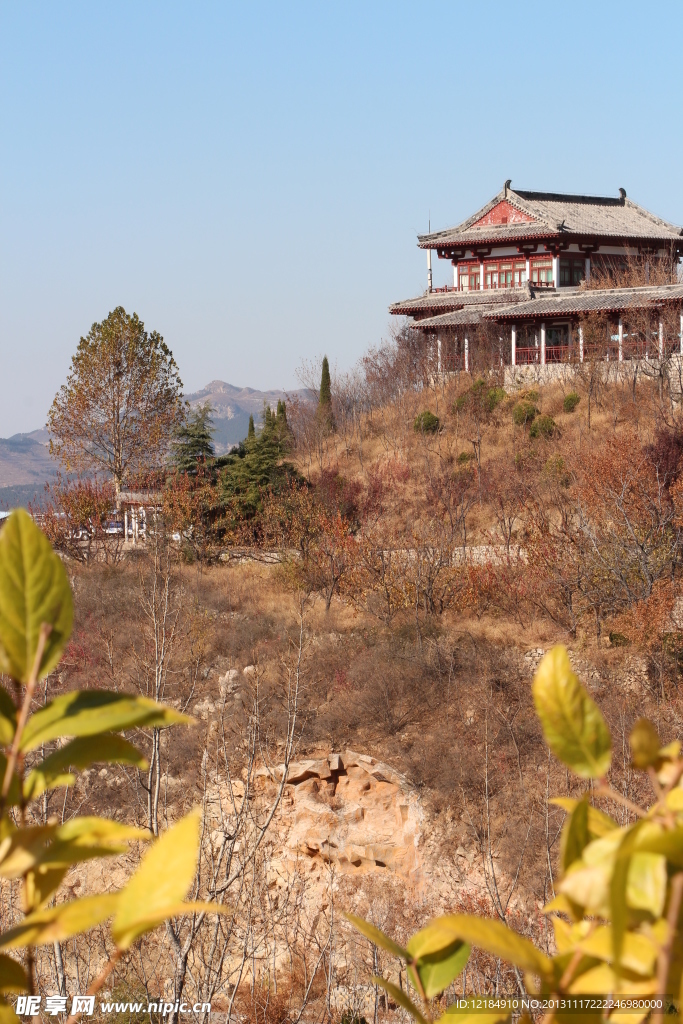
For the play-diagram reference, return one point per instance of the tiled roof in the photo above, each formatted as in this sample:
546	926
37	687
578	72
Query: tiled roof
455	319
555	215
575	301
473	313
437	302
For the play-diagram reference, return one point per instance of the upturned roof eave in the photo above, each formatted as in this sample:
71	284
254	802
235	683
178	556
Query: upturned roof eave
568	237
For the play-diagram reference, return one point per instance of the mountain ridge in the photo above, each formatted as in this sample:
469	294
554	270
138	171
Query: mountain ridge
26	465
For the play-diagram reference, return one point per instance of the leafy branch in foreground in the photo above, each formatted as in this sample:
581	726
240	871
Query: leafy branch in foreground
36	617
617	911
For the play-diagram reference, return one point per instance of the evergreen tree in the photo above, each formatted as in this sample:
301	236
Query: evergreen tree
325	385
325	413
251	433
194	440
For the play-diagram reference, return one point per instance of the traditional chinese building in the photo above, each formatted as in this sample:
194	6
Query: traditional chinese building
521	268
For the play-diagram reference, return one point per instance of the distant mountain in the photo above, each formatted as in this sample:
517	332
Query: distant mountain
232	407
25	467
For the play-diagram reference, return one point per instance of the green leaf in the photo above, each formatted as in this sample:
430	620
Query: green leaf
61	922
436	957
377	937
80	753
645	744
573	725
400	997
575	835
493	936
93	712
156	890
34	590
8	718
437	970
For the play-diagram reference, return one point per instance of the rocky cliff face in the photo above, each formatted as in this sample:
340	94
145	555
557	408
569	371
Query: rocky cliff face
351	811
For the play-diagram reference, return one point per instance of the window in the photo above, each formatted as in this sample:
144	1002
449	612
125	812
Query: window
505	275
542	272
572	272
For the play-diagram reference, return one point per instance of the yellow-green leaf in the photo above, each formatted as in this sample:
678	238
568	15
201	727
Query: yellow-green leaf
53	846
61	922
638	954
435	960
573	725
94	712
160	883
599	823
41	883
12	976
646	884
492	936
80	753
400	997
7	1014
575	836
34	590
377	937
645	743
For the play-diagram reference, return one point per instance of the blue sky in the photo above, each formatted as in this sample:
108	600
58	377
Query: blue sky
250	178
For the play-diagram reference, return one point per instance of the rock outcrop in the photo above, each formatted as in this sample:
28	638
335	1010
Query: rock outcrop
351	811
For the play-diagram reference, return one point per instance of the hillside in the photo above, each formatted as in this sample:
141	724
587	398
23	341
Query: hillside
378	629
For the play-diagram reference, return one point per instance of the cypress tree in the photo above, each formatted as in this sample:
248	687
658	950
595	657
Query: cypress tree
325	385
251	432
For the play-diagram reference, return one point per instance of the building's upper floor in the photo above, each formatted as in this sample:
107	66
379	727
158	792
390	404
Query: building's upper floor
549	239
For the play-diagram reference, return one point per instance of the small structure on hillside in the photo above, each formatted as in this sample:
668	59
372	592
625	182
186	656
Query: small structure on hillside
522	265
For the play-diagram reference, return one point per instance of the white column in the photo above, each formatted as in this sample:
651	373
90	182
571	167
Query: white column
580	343
682	334
587	270
429	270
528	270
467	356
661	340
481	275
556	271
513	348
621	340
455	278
438	353
125	525
542	344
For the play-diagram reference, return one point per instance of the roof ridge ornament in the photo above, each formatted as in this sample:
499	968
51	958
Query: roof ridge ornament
622	193
506	186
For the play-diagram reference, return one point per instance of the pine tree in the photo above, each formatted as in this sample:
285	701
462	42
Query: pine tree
251	431
194	440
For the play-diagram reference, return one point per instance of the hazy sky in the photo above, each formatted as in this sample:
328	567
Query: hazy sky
250	178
